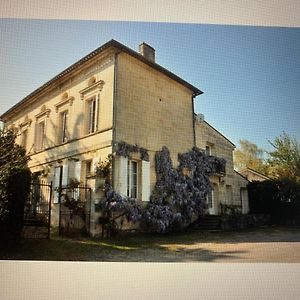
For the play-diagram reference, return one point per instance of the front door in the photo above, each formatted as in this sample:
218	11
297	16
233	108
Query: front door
211	201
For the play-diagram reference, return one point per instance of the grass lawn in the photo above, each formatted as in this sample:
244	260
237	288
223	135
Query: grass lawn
188	246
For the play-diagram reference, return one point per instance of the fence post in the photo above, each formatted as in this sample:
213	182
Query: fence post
49	214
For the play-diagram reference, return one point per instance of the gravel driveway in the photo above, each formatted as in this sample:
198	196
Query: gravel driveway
275	245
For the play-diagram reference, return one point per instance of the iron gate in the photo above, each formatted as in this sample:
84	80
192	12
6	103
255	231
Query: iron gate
37	210
74	210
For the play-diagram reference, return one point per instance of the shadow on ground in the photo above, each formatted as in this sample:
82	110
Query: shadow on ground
191	246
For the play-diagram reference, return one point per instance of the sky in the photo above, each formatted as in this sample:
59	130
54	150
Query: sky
250	75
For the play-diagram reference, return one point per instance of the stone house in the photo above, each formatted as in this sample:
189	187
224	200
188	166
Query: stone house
229	188
115	94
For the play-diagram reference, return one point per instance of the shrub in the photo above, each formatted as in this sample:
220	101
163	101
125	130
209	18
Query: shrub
14	188
279	198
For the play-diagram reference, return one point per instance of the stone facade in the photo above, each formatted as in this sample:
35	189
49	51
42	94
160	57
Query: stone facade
114	94
231	188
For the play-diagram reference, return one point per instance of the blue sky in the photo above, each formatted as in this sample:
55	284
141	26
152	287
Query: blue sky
250	75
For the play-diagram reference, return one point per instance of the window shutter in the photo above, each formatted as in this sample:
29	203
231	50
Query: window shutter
121	175
35	137
65	175
56	184
77	170
145	180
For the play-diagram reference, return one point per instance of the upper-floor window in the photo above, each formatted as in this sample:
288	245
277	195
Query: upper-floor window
63	127
24	138
92	118
40	136
91	95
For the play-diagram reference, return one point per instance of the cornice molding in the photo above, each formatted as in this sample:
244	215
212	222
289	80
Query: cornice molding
95	86
61	103
45	112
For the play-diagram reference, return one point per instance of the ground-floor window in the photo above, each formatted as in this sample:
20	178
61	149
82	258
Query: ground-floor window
209	199
243	192
132	179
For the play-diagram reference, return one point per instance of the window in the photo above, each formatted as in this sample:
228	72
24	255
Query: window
207	150
132	179
92	115
209	199
24	136
63	124
40	136
88	168
243	193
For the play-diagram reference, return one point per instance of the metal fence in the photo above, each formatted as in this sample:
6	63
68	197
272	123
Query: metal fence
37	210
74	210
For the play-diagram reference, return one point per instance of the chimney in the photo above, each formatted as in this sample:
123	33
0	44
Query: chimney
147	51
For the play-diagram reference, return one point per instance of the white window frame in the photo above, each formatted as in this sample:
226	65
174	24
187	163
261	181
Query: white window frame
92	114
210	199
63	126
130	184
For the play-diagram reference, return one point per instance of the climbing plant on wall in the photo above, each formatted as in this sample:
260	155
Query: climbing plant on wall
179	194
124	149
178	197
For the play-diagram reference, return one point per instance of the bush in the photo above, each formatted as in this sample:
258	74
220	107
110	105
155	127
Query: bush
279	198
14	188
17	191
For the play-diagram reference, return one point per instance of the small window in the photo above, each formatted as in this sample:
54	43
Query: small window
88	168
40	136
208	150
132	179
63	125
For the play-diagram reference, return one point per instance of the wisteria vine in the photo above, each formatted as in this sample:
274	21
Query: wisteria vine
178	197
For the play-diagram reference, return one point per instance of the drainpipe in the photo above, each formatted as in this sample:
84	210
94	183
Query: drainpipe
193	112
114	115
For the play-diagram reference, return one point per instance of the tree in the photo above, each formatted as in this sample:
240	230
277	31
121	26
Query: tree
14	187
284	160
249	156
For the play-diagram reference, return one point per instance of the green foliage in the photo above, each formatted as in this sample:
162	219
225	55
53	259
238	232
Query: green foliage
249	156
103	169
284	160
230	209
280	198
14	186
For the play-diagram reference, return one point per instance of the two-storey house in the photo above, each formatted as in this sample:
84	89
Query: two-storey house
113	94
